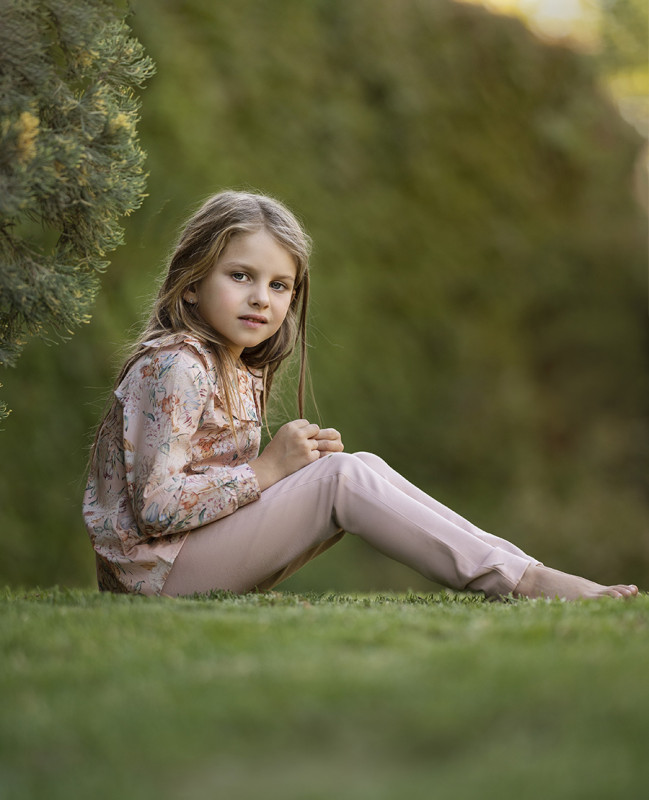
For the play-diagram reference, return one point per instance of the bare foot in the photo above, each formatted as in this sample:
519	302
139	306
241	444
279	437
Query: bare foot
540	581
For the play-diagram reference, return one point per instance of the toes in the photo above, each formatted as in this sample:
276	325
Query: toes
623	590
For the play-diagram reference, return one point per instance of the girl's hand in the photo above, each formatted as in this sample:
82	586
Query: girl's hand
329	441
294	446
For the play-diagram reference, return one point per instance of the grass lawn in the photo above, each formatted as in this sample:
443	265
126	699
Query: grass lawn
326	696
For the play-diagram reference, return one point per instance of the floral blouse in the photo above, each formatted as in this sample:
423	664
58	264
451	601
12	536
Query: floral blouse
167	463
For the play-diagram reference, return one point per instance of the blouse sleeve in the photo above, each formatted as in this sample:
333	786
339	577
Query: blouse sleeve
163	405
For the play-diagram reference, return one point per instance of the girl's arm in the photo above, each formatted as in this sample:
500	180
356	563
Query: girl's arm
163	407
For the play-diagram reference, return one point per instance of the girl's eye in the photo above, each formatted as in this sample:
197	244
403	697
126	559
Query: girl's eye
239	276
277	285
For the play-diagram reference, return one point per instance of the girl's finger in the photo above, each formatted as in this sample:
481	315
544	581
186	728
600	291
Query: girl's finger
328	433
303	426
330	446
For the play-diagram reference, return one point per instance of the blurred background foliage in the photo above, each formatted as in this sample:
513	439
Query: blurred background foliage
479	315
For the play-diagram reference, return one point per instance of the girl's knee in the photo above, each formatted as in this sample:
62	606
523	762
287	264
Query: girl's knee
363	467
342	464
370	459
336	462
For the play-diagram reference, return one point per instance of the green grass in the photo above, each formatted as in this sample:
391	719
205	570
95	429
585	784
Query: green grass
327	696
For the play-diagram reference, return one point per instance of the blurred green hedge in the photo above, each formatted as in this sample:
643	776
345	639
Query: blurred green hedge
479	314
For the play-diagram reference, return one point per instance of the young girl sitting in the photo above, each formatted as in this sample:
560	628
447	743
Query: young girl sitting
179	499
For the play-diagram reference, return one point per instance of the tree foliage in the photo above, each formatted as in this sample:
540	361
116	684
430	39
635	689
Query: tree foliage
70	162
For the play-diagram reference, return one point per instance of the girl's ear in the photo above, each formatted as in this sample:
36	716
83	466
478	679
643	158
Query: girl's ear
190	296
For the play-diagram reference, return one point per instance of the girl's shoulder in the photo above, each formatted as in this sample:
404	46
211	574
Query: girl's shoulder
168	356
178	345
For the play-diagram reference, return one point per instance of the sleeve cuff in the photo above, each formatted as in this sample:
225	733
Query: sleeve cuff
247	485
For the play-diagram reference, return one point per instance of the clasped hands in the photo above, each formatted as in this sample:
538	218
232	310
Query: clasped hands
295	445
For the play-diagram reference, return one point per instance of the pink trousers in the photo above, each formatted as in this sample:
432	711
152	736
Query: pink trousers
304	514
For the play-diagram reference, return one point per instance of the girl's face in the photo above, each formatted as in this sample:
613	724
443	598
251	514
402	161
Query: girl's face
247	293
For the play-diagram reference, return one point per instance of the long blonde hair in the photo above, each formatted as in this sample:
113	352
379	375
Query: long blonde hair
202	240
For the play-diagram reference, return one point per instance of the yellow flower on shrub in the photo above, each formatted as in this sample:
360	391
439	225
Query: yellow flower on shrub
27	132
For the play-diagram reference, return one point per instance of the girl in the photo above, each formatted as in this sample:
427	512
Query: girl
179	499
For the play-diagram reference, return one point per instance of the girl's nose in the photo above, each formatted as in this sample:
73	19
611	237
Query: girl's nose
259	297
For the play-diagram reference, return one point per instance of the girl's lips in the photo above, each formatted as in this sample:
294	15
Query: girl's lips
253	321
